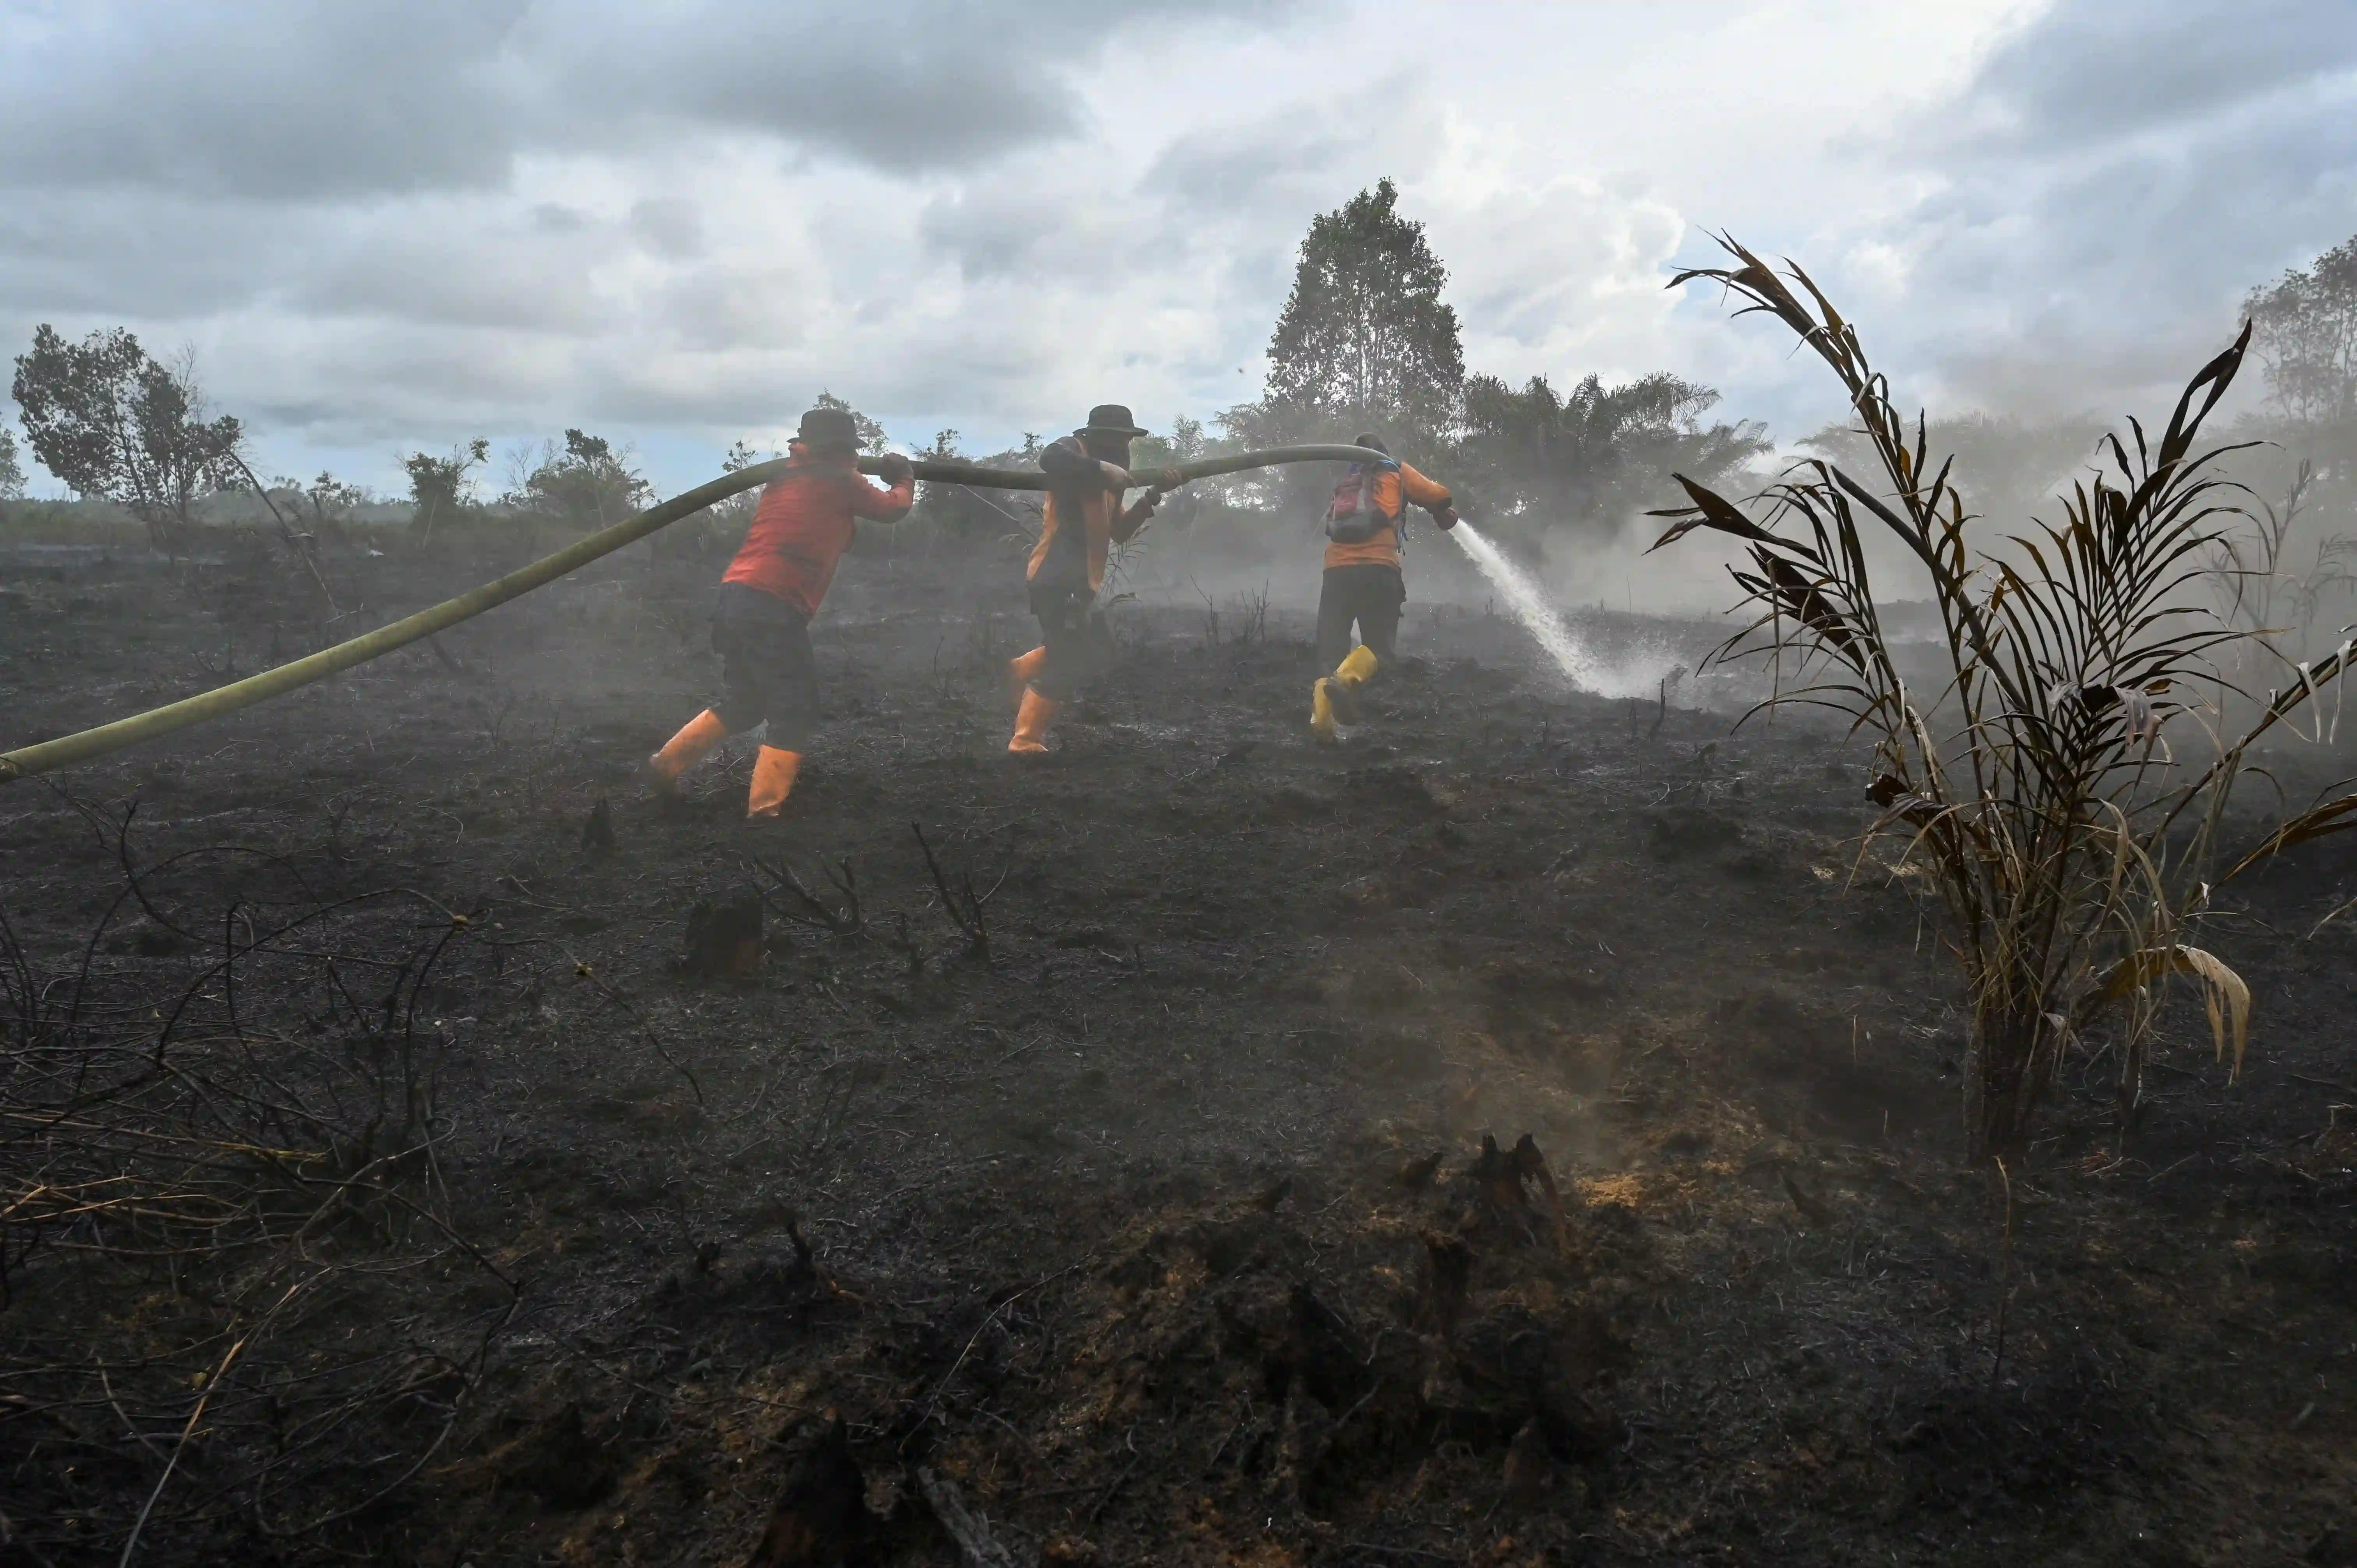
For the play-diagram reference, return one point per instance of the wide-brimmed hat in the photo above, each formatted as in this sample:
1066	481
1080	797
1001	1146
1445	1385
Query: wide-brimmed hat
828	427
1110	419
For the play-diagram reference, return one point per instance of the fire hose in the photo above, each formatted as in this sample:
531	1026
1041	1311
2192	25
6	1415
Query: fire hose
67	750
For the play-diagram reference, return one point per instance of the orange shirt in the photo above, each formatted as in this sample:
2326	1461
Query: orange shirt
1101	521
807	519
1383	550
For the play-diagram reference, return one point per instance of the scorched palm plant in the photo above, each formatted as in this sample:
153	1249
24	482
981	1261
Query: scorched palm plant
2039	784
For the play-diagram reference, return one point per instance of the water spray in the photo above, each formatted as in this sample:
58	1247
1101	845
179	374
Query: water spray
1530	606
1582	669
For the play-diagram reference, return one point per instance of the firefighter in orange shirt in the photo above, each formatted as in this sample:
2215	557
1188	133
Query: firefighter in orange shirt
1362	585
807	519
1088	472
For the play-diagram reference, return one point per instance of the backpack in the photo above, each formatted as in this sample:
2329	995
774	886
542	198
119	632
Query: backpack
1353	515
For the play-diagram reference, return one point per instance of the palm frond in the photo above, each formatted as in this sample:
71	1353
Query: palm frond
2037	785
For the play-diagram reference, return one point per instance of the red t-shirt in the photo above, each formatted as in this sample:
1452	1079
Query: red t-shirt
806	520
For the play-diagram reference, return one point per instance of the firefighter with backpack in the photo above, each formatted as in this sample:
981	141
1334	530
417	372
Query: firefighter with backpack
1365	521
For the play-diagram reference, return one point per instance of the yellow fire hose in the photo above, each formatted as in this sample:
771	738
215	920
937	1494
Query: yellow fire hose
67	750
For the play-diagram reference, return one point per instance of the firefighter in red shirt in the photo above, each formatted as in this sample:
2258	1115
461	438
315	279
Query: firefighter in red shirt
1363	584
760	628
1088	471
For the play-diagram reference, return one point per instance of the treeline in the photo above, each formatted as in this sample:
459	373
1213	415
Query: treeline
137	437
135	440
1364	342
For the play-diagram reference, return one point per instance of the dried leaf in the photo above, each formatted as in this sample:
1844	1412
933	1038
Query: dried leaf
2225	995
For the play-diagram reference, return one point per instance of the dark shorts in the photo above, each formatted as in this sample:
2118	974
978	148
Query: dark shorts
1367	597
766	669
1079	643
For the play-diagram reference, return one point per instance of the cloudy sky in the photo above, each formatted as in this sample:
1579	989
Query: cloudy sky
384	226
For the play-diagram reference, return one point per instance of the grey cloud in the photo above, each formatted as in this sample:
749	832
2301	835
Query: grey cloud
1001	232
446	280
1239	166
287	99
2093	69
908	85
903	92
2133	268
272	99
1272	165
2112	181
144	257
710	312
670	228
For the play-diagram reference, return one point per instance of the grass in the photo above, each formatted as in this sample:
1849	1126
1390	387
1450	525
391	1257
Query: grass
2040	786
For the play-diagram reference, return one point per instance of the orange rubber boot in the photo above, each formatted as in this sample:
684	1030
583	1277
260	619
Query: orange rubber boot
1031	723
691	746
773	780
1022	671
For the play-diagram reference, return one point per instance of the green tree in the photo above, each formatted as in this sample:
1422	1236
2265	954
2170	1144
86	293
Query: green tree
327	503
733	514
2305	333
873	443
587	484
954	510
1187	441
1364	339
720	527
439	489
12	473
114	423
1596	454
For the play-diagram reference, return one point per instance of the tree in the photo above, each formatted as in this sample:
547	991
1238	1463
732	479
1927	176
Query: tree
1187	441
954	510
587	484
1596	454
1364	339
2304	329
114	423
719	527
439	490
330	501
12	473
873	443
738	511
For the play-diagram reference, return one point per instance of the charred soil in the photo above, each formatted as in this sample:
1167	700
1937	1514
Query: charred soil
1524	1133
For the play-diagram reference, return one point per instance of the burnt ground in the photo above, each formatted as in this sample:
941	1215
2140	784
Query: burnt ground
1117	1207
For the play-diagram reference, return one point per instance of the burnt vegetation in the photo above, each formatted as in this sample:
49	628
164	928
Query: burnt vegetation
1550	1130
1135	1164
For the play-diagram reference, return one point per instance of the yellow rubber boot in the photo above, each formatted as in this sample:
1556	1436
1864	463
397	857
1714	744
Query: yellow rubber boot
1321	708
691	746
1356	669
1031	723
1021	672
773	780
1333	706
